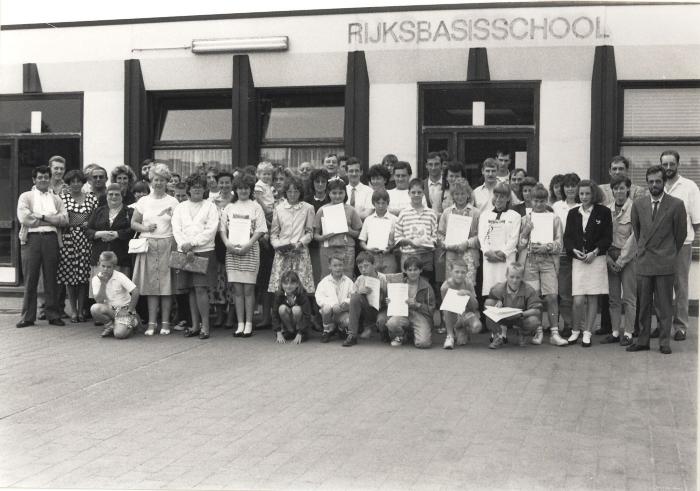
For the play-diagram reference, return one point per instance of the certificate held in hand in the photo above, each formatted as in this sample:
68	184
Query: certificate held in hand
239	231
458	227
453	302
542	228
378	232
375	286
334	220
397	293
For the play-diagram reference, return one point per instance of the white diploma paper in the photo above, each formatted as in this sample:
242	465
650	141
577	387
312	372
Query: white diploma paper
497	235
375	285
458	228
497	314
334	220
378	232
397	294
542	228
454	302
239	231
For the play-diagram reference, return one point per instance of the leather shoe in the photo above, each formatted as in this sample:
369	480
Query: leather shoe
679	336
654	334
57	322
603	330
637	347
666	350
21	324
610	339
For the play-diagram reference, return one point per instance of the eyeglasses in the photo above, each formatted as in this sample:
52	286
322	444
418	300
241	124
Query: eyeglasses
99	177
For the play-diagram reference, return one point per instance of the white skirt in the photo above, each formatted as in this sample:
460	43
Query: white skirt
589	279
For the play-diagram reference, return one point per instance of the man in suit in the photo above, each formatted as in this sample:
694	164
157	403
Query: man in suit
432	185
659	225
40	212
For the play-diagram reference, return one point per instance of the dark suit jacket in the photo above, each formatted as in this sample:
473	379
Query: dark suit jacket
598	231
99	220
658	242
426	192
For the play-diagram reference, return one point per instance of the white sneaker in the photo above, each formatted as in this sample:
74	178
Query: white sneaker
449	343
397	341
586	339
574	337
537	338
556	340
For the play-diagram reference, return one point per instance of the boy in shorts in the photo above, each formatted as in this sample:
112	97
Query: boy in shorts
114	293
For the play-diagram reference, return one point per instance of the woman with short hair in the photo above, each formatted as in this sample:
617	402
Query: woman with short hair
123	176
152	219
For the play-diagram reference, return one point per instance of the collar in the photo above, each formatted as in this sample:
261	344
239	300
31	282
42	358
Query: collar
625	206
584	212
44	193
434	183
659	199
285	204
383	217
517	292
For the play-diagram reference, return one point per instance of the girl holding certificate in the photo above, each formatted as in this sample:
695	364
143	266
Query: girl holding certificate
463	243
499	229
329	221
242	225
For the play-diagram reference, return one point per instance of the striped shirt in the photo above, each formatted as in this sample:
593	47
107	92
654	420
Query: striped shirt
418	226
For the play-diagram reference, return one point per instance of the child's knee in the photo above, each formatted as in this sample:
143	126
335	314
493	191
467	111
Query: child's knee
337	310
531	322
284	311
296	312
490	302
326	310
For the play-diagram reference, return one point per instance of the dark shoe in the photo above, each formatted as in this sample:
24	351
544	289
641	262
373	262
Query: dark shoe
654	334
64	315
238	334
99	324
626	341
637	347
247	334
81	318
57	322
679	336
21	324
610	339
107	331
565	333
42	316
203	335
350	341
603	330
74	319
191	332
325	336
665	350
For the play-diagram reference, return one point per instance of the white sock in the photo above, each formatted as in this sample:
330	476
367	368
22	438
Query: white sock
615	334
248	327
586	336
504	331
241	325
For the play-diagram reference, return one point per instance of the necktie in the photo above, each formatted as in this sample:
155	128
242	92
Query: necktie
655	206
352	197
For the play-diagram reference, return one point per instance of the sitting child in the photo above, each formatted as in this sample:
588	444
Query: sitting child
291	310
333	298
514	292
115	293
360	309
460	326
421	305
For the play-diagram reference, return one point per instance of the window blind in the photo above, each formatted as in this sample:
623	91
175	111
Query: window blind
661	112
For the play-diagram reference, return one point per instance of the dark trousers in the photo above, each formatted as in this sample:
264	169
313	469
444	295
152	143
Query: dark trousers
40	256
655	291
360	310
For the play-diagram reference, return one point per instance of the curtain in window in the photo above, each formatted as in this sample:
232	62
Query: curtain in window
293	156
185	161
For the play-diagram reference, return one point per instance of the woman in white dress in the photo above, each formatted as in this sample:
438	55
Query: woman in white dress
587	238
499	230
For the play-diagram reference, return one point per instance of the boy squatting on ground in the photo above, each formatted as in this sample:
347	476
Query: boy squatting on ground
514	292
460	326
115	293
291	310
333	298
421	305
360	309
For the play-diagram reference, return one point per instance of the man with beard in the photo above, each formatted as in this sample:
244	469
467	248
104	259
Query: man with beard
659	225
687	191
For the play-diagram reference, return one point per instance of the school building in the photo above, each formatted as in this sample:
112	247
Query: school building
561	86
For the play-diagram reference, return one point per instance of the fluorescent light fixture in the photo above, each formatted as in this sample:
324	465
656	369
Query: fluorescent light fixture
240	45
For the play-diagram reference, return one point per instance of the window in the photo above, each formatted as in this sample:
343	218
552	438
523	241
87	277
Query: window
658	116
510	123
301	124
60	113
192	127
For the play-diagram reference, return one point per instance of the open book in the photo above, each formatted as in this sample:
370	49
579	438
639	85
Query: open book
497	314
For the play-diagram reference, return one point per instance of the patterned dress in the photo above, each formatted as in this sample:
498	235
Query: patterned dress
244	269
74	262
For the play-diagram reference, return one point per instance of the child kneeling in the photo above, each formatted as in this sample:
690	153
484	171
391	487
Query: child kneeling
360	308
116	296
421	305
460	327
333	298
514	292
291	310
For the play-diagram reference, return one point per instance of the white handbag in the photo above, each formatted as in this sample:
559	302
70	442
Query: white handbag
138	246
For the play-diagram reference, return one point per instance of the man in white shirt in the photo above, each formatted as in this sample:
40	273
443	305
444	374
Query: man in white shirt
687	191
620	166
359	195
399	198
503	169
40	212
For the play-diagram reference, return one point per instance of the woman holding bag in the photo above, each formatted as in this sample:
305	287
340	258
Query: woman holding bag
195	223
152	219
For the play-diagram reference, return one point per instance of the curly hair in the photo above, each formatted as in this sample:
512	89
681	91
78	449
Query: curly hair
123	169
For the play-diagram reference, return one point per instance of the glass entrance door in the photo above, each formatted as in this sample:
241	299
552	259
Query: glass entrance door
9	255
474	149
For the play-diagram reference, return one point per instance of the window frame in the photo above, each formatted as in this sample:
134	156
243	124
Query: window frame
516	131
79	96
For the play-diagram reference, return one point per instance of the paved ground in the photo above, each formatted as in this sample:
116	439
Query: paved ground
78	411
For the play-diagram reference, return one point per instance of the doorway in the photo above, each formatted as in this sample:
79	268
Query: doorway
18	156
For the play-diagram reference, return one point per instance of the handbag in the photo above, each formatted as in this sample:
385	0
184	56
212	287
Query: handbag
138	246
191	263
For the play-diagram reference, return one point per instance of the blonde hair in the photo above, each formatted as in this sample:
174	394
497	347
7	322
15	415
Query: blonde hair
516	266
108	257
264	166
160	170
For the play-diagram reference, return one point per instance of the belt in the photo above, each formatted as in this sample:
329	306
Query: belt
40	233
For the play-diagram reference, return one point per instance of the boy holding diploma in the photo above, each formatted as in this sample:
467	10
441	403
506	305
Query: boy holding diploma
421	304
457	232
370	291
541	237
460	326
333	298
374	231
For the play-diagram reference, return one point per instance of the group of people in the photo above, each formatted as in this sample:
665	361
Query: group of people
328	248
